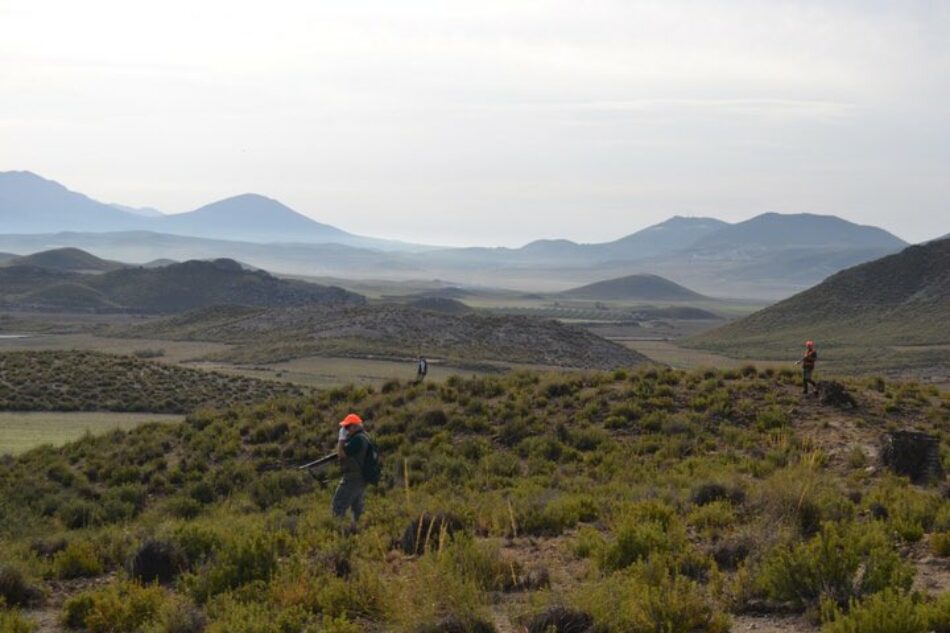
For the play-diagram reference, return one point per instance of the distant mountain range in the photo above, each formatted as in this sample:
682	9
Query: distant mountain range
30	204
767	257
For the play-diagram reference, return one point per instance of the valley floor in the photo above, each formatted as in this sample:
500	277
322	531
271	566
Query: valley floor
19	432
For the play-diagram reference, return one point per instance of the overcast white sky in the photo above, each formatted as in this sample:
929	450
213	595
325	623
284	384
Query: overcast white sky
491	121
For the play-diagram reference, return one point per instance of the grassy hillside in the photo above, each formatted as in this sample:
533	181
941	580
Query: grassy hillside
637	502
90	381
634	288
66	260
168	289
390	331
899	300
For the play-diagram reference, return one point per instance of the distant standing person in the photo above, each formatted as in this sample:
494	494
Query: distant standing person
422	369
353	446
807	361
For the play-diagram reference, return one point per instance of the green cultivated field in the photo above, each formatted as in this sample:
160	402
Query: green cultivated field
20	432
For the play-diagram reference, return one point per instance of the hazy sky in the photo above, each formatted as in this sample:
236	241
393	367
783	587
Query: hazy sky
491	122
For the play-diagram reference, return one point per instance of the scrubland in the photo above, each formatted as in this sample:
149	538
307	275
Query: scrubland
650	500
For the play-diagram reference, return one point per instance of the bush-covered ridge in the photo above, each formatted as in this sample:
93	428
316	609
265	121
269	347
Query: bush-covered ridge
93	381
166	290
390	330
645	501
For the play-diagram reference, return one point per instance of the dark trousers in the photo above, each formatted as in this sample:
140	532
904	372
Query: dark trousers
349	495
806	379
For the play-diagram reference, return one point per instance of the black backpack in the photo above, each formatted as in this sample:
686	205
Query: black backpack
371	467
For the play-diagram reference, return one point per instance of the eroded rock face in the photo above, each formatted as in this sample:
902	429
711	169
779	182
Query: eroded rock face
913	454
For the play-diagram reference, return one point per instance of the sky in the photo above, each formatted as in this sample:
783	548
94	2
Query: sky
490	122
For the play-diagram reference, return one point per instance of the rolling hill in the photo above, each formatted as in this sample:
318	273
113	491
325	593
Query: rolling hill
898	300
634	288
389	330
66	259
622	502
168	289
92	381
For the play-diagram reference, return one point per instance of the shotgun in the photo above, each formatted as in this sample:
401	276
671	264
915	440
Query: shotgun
326	459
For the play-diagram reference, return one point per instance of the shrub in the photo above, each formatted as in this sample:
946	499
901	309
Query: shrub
13	622
79	514
553	517
123	606
827	566
78	560
183	507
246	559
771	417
857	458
560	620
886	612
712	491
157	561
940	544
427	532
636	537
15	591
713	516
652	600
274	487
937	614
178	615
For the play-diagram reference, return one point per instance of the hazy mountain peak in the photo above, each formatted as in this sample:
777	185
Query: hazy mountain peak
804	230
32	204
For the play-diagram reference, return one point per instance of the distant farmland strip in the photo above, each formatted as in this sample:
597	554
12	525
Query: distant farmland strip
19	432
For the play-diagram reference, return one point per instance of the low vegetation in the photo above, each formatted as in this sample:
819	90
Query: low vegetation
388	331
92	381
631	501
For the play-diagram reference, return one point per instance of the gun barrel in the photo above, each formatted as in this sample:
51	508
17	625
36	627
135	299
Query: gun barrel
318	462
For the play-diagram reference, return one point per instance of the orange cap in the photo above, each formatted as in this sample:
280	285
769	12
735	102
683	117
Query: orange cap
809	343
351	419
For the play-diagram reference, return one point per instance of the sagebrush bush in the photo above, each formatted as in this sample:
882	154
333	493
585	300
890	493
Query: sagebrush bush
244	559
828	565
940	544
649	600
14	622
886	612
15	590
79	560
121	606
